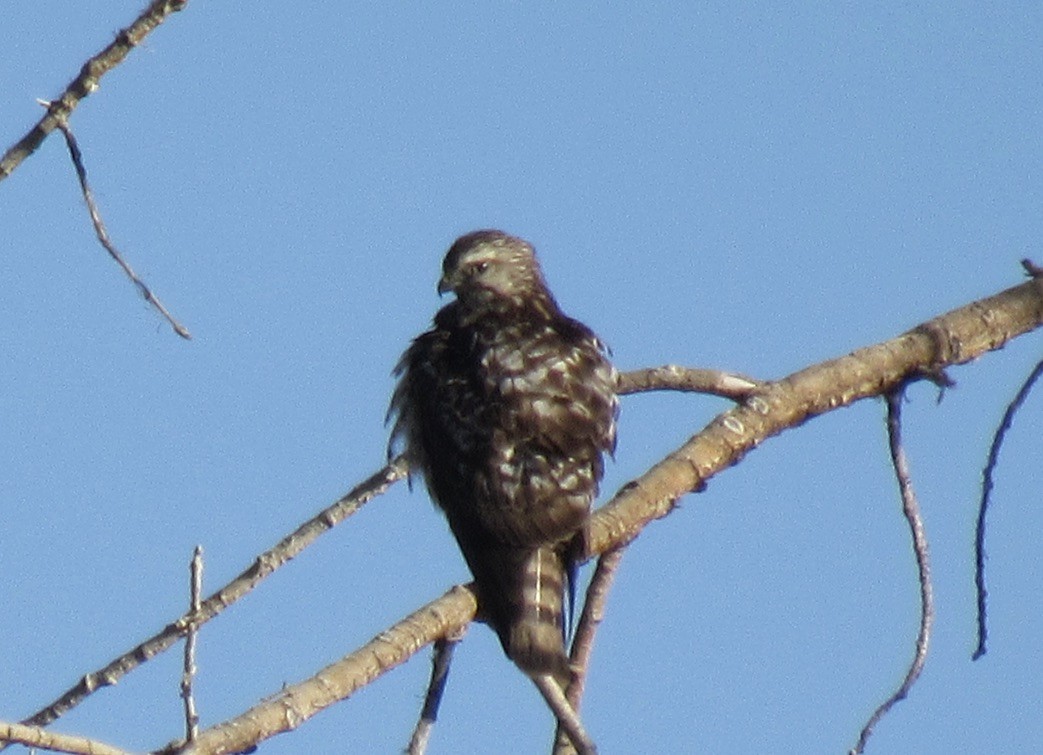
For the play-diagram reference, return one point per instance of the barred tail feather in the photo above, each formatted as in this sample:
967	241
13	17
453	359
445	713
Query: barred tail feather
522	596
536	638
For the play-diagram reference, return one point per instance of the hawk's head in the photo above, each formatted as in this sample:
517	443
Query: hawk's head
489	269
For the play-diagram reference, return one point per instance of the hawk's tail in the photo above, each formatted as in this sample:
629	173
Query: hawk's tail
525	605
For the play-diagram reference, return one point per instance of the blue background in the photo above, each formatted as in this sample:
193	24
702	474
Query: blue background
737	185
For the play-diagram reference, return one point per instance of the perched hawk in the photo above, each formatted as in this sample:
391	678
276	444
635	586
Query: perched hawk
505	407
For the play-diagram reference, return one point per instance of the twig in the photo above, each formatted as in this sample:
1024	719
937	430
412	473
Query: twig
983	504
911	510
583	642
188	675
442	657
568	717
33	736
103	235
673	378
288	548
1032	270
88	80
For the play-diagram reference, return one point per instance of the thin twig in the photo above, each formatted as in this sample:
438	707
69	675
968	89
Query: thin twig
567	716
189	672
442	657
983	504
103	234
263	566
1032	270
690	379
33	736
88	80
911	510
586	630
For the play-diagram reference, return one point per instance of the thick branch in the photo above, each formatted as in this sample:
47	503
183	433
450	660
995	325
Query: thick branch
32	736
294	705
953	338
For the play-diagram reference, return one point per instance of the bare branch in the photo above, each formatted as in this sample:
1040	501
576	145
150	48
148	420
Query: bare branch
568	717
954	338
673	378
983	504
32	736
288	548
583	643
440	662
292	706
911	510
87	81
188	675
103	234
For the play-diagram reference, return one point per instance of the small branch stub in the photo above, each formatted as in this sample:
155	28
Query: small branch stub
189	672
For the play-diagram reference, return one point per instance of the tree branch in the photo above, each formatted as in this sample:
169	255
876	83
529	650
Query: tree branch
33	736
583	643
953	338
670	377
88	80
295	704
289	547
441	659
950	339
189	669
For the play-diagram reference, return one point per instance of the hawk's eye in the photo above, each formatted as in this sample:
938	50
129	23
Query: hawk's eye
482	266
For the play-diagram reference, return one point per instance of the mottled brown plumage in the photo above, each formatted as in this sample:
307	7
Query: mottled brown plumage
505	407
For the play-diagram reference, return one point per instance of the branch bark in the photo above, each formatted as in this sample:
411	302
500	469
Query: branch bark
33	736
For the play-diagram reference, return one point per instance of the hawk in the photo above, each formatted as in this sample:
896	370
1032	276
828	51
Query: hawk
506	407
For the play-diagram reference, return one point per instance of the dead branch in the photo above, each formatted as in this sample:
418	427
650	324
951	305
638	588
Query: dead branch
567	716
983	503
670	377
295	704
442	658
33	736
911	511
287	548
88	80
189	672
583	642
103	235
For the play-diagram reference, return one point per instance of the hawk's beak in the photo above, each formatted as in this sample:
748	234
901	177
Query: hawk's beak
444	286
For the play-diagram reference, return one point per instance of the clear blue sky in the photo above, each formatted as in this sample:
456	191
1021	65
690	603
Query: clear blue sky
733	186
